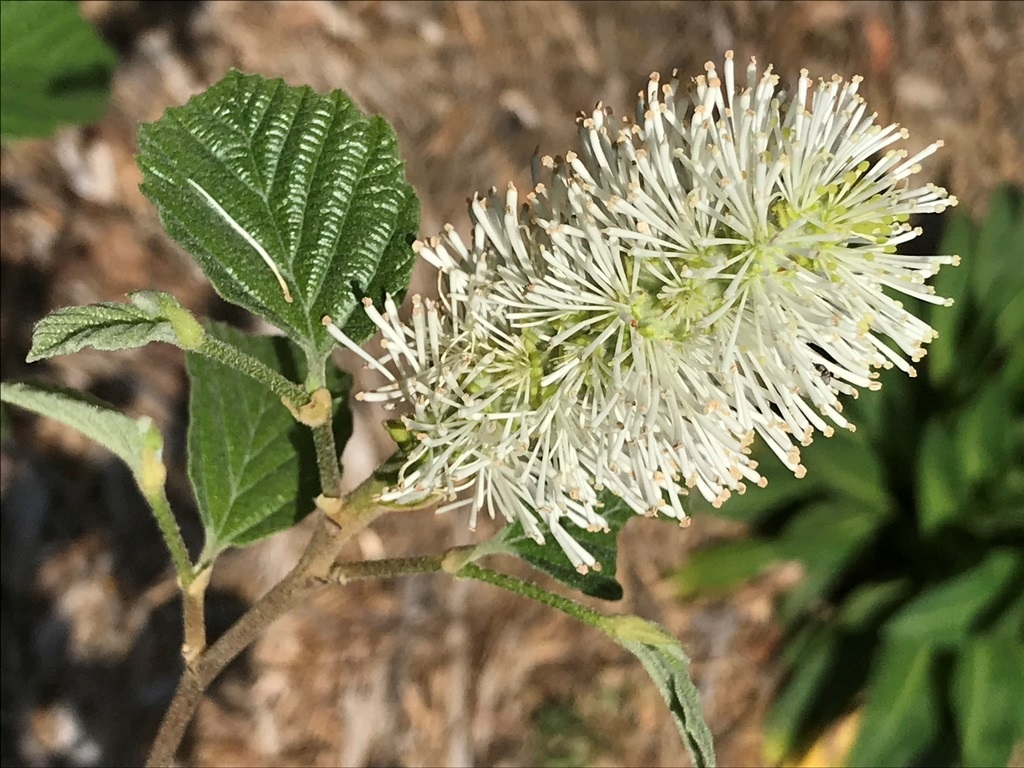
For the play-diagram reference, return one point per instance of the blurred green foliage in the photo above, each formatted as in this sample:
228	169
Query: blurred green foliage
911	534
54	69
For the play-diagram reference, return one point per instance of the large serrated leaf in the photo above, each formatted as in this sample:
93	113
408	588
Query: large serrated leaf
253	467
54	69
295	204
550	558
902	715
988	688
107	326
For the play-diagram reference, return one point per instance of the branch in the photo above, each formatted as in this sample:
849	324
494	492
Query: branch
309	575
193	600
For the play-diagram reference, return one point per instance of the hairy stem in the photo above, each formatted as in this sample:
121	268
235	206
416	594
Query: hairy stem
231	356
526	589
342	573
327	459
170	531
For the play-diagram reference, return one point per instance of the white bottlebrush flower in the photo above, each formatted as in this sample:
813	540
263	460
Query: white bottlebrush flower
493	411
766	224
718	269
469	396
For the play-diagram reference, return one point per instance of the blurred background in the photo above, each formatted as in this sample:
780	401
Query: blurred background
873	612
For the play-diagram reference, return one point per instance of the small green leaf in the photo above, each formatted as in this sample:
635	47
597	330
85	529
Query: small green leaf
122	435
988	689
666	662
54	69
137	442
902	715
107	326
940	487
253	467
550	558
947	614
669	668
295	204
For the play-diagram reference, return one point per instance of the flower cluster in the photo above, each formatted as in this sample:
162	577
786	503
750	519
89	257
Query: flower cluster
722	267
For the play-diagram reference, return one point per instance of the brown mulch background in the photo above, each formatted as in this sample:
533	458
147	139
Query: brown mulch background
422	671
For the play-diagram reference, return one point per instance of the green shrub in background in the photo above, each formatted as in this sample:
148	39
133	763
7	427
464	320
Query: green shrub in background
54	69
911	532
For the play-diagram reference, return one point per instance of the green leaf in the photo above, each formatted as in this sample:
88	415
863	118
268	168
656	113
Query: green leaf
940	487
988	688
1010	323
550	558
669	668
107	326
947	614
253	467
295	204
54	69
122	435
1009	624
901	717
137	442
901	416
